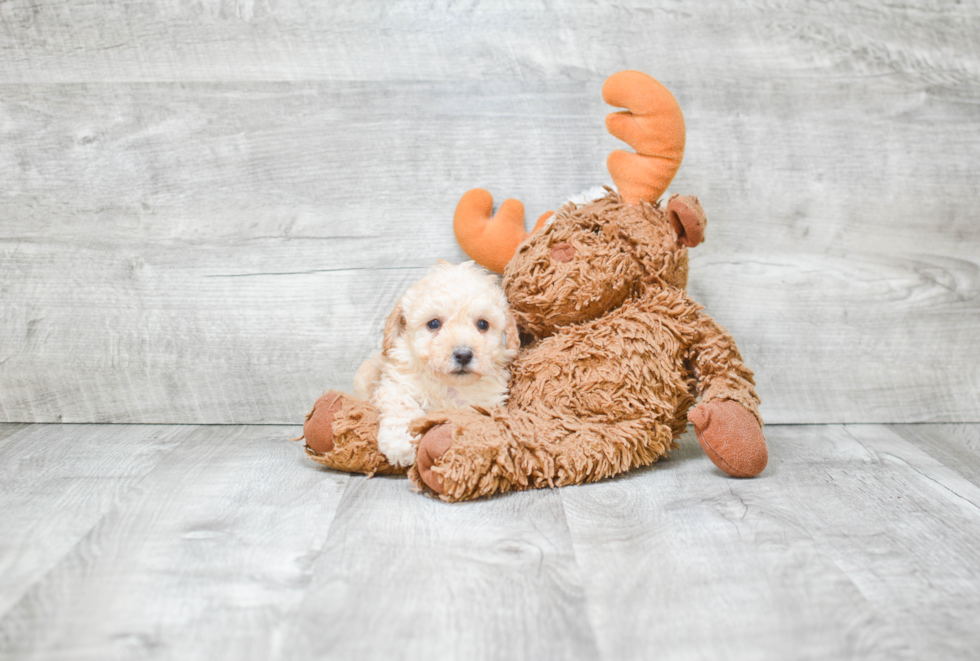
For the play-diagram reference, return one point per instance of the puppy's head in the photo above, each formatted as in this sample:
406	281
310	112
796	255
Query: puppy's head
453	324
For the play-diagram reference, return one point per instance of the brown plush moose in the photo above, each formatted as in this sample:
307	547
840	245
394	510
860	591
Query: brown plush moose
615	352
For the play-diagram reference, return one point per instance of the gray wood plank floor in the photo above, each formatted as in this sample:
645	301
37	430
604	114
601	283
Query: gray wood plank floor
223	542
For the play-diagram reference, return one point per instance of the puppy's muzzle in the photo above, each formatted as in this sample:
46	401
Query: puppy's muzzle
462	356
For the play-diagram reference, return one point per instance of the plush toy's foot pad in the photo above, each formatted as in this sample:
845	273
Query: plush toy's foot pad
433	445
341	432
731	437
318	428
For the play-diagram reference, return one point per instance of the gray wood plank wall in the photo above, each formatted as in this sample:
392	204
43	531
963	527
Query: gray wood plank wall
207	209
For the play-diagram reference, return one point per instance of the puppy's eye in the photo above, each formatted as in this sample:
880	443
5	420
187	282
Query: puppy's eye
435	324
483	325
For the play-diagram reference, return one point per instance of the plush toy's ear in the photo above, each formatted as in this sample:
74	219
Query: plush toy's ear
653	125
512	334
394	325
687	218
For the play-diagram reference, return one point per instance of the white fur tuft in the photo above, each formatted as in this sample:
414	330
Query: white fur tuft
588	196
585	197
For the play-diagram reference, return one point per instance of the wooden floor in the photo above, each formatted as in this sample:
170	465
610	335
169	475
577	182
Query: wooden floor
224	542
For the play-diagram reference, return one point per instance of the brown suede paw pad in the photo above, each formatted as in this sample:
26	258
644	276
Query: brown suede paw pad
318	428
433	445
731	437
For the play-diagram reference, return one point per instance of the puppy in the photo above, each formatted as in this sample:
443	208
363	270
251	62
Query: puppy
447	344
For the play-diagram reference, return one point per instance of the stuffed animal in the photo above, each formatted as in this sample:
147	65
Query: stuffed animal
615	352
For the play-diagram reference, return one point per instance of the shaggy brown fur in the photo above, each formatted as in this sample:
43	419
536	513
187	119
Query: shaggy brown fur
341	432
619	353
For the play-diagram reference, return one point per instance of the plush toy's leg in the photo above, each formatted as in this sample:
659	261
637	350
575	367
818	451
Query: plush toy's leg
469	454
342	432
727	422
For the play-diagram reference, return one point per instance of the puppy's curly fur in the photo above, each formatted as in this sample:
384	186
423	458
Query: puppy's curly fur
447	344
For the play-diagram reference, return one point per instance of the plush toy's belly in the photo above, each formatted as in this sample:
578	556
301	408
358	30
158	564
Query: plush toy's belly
625	366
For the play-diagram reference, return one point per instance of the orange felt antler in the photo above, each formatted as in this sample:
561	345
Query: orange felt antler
653	125
491	242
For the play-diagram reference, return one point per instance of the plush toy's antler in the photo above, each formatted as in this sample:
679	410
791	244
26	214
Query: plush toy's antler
653	125
491	242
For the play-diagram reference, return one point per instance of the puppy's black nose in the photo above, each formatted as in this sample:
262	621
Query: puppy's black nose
463	356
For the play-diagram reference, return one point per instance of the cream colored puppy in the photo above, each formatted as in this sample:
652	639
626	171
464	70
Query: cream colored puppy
447	344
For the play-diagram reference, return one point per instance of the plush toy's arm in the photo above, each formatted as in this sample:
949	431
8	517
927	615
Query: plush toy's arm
727	421
718	366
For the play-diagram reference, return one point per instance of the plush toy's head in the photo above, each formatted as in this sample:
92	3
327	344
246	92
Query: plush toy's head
588	259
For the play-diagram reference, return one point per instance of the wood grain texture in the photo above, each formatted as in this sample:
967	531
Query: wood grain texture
406	576
205	559
58	483
505	39
858	542
209	209
853	544
955	446
9	429
853	337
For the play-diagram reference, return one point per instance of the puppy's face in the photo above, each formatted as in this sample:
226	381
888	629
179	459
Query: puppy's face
454	324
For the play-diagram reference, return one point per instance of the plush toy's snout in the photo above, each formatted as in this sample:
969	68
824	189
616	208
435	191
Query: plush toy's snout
569	272
563	252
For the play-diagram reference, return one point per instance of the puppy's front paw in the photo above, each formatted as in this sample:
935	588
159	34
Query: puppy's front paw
396	445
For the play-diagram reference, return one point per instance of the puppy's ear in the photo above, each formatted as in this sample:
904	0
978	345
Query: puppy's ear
512	336
394	326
